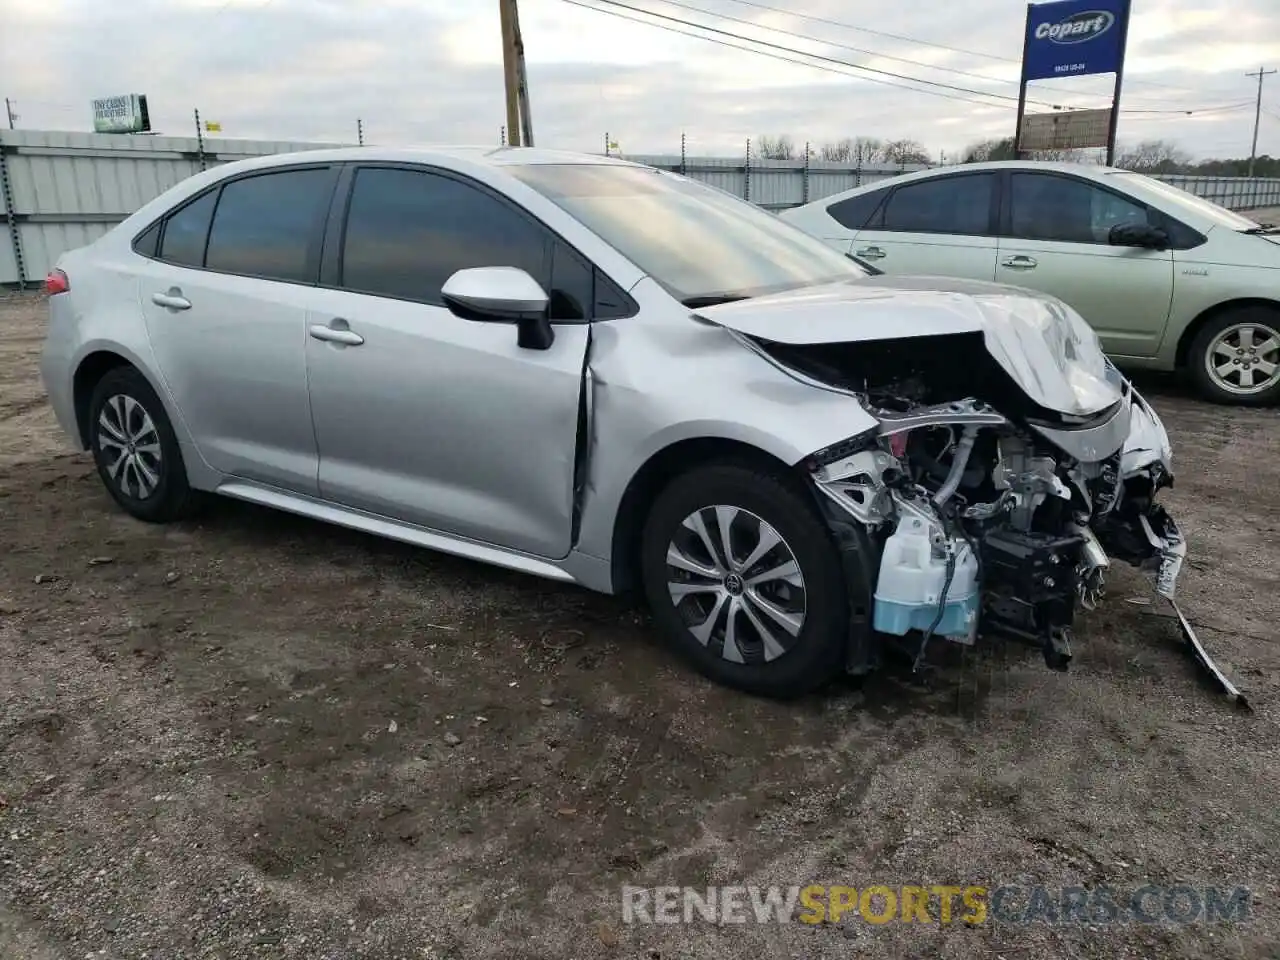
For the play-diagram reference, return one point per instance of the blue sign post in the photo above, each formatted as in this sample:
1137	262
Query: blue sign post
1074	38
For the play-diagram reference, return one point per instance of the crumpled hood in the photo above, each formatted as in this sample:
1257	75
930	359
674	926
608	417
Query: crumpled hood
1044	345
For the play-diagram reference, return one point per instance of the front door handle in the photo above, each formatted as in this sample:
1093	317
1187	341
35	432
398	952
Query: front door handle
870	253
1020	263
172	300
332	334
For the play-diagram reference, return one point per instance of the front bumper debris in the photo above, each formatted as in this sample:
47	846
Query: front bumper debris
1205	662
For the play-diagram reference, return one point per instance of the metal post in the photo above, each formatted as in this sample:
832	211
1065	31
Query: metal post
360	131
509	72
1125	10
11	215
746	174
804	190
502	136
857	171
522	80
199	141
606	143
1257	116
8	109
1022	87
683	157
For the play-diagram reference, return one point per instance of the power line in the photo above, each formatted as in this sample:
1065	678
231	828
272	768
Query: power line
785	59
815	56
803	53
926	43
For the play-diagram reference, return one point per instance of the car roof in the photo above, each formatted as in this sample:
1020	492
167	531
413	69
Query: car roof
443	156
1092	170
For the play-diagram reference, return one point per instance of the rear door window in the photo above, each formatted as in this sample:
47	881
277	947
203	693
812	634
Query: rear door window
954	205
267	225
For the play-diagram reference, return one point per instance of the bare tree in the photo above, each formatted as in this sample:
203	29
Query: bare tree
839	151
781	147
869	149
1153	156
985	150
903	152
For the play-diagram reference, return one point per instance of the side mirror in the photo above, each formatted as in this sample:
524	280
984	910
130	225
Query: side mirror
502	295
1138	235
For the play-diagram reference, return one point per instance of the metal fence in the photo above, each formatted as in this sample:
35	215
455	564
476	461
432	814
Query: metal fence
64	190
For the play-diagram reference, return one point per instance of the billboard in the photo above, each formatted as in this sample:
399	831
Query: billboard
1067	130
1074	38
123	114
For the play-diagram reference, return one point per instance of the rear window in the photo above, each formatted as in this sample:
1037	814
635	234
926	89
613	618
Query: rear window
186	231
858	212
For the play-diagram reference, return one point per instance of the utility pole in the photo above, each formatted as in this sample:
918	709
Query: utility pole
1257	116
507	10
8	109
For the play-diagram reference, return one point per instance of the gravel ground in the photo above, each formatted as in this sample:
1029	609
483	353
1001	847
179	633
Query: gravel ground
257	736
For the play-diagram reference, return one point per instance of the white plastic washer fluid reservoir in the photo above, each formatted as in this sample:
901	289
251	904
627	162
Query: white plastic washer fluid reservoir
911	583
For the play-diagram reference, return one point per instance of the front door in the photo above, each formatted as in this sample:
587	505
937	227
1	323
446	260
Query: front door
1057	229
423	416
941	227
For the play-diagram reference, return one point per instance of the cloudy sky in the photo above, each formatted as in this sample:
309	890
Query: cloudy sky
431	70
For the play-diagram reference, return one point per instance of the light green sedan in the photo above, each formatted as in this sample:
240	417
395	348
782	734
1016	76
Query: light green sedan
1168	280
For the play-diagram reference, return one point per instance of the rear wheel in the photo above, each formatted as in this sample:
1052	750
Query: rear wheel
744	578
1235	358
135	448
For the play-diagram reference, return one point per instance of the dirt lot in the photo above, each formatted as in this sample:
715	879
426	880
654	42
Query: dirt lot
257	736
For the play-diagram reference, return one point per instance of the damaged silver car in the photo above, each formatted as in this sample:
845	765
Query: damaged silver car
600	373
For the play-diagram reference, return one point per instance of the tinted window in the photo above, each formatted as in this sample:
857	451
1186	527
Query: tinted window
946	205
855	213
264	225
1043	207
696	241
408	232
148	242
186	231
572	285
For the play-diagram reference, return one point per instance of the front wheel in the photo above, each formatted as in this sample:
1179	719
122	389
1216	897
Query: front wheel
1235	358
744	578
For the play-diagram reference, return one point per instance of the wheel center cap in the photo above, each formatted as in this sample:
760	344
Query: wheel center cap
733	583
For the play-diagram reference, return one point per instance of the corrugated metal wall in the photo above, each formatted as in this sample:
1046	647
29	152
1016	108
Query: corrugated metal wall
63	190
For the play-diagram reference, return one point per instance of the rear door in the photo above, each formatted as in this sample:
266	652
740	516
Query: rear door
942	226
225	300
1055	228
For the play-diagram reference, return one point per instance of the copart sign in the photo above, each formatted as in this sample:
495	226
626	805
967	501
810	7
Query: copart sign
1070	38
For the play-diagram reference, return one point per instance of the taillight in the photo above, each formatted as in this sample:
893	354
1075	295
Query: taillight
57	282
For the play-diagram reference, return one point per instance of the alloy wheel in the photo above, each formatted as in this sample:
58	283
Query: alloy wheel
1244	359
130	445
736	584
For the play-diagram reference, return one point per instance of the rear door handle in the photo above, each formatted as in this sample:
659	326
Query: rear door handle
1020	263
173	300
870	253
348	338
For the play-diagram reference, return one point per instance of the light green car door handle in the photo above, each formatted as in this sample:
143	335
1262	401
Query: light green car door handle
1019	263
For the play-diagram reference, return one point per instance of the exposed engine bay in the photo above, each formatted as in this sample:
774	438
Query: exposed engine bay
985	512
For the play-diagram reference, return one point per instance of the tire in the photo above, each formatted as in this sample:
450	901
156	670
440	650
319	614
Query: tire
791	664
150	482
1221	337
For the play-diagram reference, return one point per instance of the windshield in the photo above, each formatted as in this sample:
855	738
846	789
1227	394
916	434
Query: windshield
703	245
1206	208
